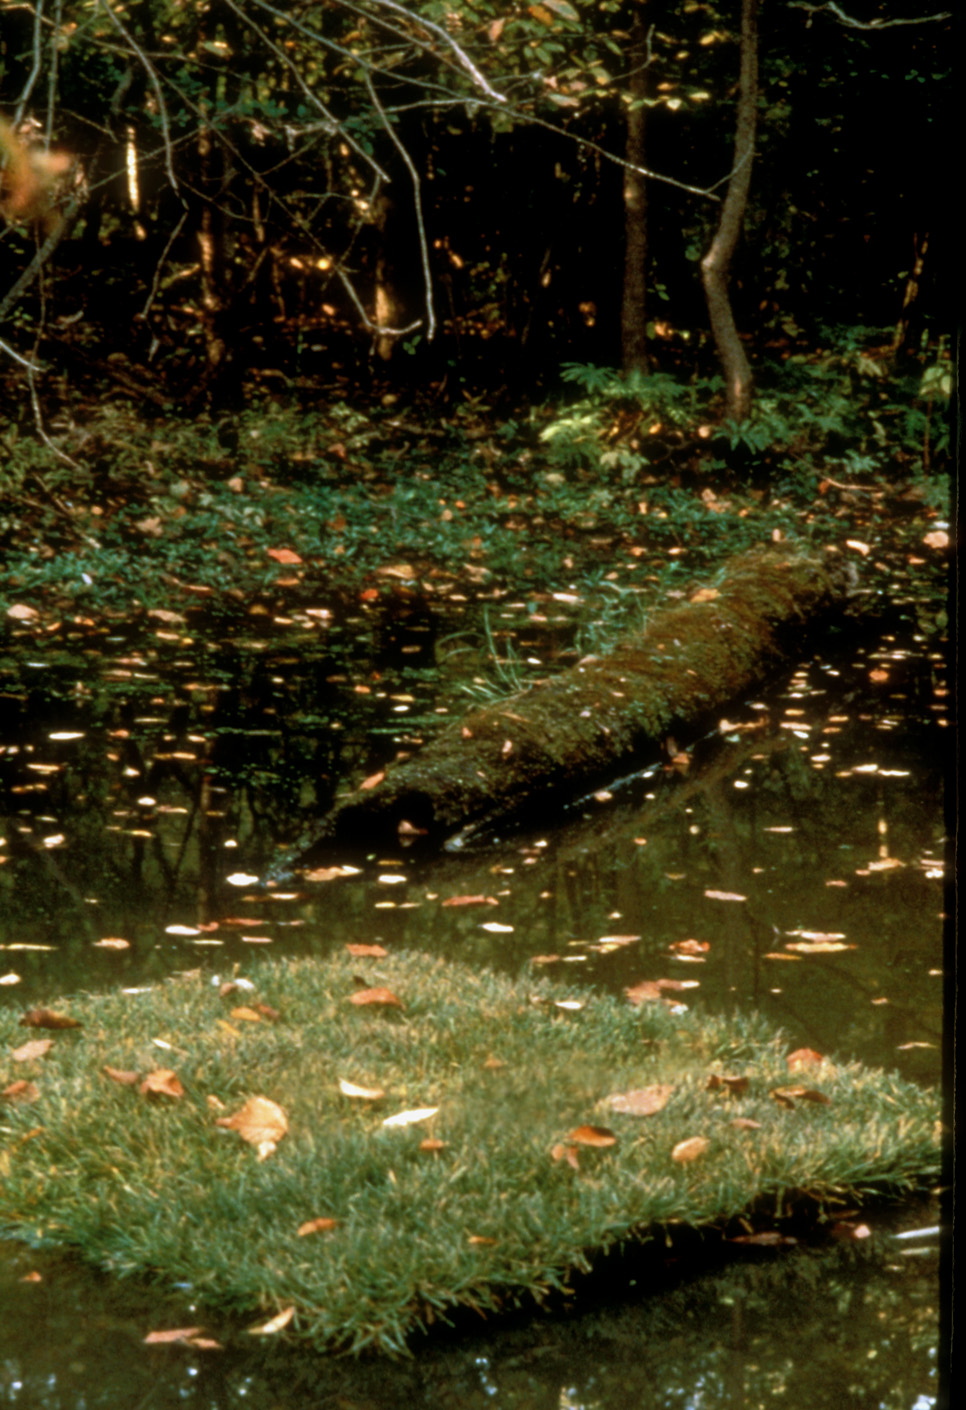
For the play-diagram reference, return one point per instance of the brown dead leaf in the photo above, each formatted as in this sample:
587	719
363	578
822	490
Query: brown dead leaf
120	1076
470	901
788	1096
376	952
592	1136
481	1240
544	959
316	1226
645	992
380	998
745	1123
734	1084
112	942
175	1334
266	1011
690	947
284	555
804	1057
36	1048
20	1091
768	1238
845	1229
704	595
45	1018
493	1064
691	1149
642	1101
261	1122
32	1277
372	781
162	1082
432	1144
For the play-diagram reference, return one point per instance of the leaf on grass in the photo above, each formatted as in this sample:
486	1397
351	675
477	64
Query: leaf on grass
246	1015
284	555
493	1064
592	1136
734	1084
481	1240
376	952
46	1018
567	1153
745	1123
642	1101
432	1144
787	1096
316	1226
704	595
120	1076
410	1118
261	1122
568	1005
20	1091
162	1082
372	781
266	1011
804	1057
380	998
274	1324
691	1149
364	1094
36	1048
175	1334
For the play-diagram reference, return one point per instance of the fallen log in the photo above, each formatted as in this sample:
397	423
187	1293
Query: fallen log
602	718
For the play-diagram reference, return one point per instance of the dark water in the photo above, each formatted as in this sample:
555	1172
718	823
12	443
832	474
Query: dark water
801	853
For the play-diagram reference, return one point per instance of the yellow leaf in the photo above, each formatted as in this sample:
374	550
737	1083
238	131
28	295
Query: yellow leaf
274	1324
261	1122
365	1094
592	1136
162	1082
316	1226
408	1118
690	1149
37	1048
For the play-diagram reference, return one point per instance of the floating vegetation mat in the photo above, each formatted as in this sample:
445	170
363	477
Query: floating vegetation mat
350	1149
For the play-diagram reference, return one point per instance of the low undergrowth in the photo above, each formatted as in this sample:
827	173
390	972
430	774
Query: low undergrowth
136	1139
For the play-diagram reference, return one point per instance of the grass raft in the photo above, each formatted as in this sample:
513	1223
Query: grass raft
536	1125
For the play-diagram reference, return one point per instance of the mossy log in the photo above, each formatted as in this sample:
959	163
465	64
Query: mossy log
602	718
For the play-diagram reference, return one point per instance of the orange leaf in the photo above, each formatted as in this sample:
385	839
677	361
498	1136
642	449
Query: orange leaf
493	1064
246	1014
768	1238
37	1048
20	1091
274	1324
804	1057
593	1136
704	595
691	1149
261	1122
174	1335
268	1012
316	1226
642	1101
162	1082
431	1143
124	1079
567	1153
44	1018
376	951
372	781
690	947
284	555
745	1123
470	901
378	997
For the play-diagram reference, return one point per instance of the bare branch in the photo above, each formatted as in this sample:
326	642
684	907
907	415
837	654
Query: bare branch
34	74
852	23
155	84
462	57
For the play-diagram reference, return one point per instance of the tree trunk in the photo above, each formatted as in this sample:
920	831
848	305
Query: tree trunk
603	718
634	300
715	265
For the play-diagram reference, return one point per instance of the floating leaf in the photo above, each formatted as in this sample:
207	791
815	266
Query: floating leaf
45	1018
691	1149
364	1094
383	998
410	1118
642	1101
690	947
377	952
162	1082
36	1048
274	1324
817	947
470	901
316	1226
261	1122
725	896
592	1136
496	928
112	942
176	1334
645	992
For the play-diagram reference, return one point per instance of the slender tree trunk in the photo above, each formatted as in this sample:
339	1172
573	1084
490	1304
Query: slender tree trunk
920	245
716	264
633	304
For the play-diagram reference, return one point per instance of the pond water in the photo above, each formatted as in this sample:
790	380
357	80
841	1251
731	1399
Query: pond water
795	863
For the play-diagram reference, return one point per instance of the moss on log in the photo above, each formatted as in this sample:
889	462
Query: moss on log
604	716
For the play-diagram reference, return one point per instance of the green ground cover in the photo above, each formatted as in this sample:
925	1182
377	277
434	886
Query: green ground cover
537	1126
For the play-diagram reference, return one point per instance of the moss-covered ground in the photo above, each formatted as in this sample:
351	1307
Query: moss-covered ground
135	1137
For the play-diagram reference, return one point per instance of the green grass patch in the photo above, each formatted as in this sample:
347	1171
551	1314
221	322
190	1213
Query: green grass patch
510	1206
